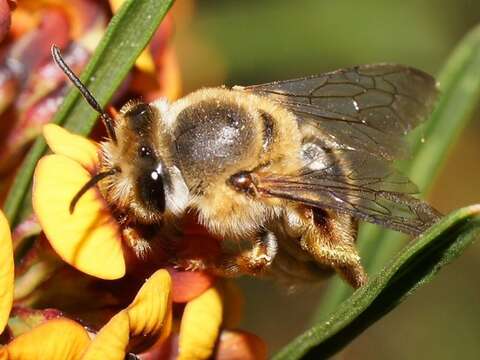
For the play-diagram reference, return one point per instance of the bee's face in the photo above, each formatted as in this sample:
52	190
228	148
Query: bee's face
146	185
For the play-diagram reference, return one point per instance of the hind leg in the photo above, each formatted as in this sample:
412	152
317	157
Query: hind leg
330	238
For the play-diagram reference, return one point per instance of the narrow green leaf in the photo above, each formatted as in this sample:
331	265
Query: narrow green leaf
127	35
460	95
413	267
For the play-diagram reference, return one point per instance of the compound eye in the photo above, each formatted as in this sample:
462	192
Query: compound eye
139	118
151	190
140	110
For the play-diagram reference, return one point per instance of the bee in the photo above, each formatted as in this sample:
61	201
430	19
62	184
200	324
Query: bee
287	168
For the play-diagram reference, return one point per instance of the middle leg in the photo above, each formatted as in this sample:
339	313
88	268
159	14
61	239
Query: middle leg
253	260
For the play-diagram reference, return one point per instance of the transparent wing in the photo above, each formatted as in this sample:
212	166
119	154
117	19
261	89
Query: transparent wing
358	184
358	118
367	108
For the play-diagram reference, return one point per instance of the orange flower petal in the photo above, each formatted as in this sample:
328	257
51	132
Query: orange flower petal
187	285
61	339
151	307
170	75
23	21
88	239
111	341
234	303
200	326
6	272
73	146
80	14
150	313
240	345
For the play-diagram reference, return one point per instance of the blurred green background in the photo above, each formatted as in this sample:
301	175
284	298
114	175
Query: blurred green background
252	41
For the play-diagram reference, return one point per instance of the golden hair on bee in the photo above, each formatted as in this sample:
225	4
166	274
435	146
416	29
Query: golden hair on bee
287	168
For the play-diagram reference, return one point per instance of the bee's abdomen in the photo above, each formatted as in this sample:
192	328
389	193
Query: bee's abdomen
211	136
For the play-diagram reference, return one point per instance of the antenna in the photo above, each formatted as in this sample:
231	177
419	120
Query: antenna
107	120
89	184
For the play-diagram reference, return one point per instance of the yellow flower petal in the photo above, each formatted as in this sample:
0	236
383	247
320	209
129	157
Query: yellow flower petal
6	272
111	341
88	239
61	339
73	146
145	62
116	4
150	313
200	326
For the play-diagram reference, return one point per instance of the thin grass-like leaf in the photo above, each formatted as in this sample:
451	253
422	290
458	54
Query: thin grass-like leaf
460	95
413	267
127	35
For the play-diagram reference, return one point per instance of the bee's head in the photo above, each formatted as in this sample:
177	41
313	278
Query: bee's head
146	183
137	175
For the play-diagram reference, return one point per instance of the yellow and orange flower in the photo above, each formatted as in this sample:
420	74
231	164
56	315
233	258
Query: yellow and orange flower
32	87
61	338
76	292
90	240
147	323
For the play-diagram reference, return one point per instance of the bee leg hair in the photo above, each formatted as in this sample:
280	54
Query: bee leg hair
257	259
330	238
252	261
137	242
